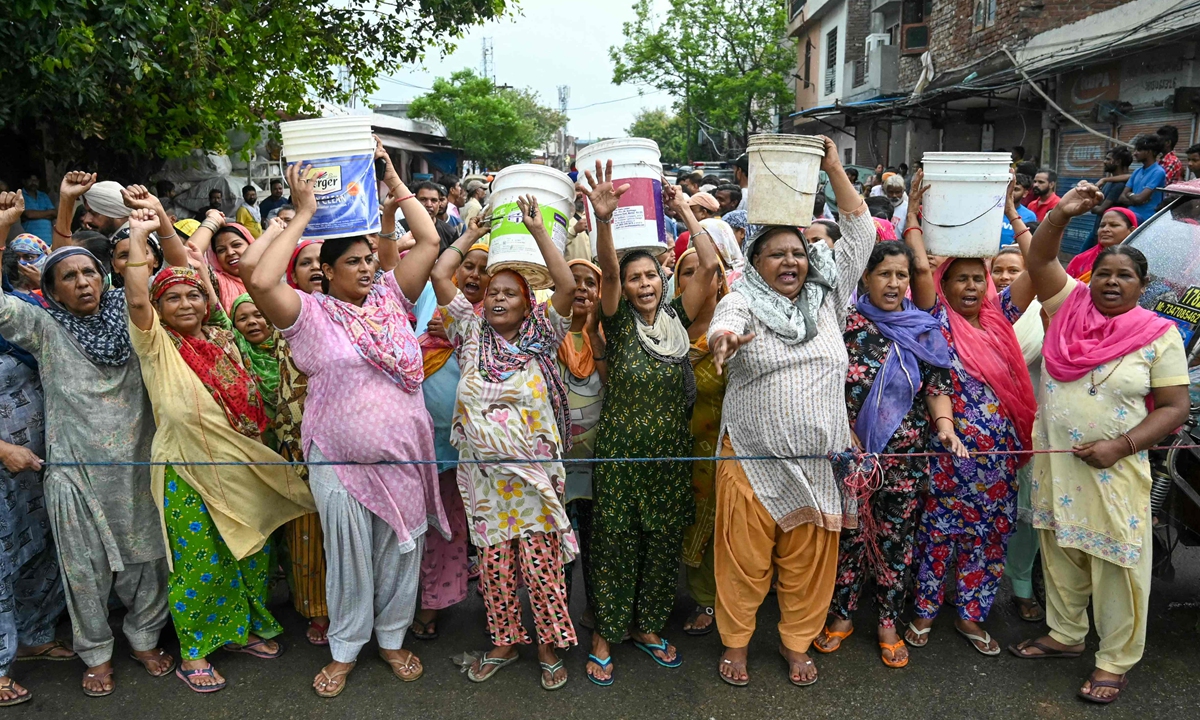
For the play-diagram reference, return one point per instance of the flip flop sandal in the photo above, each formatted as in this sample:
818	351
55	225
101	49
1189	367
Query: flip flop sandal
1029	603
604	664
420	630
662	645
486	661
250	649
323	629
919	633
397	665
101	677
161	654
834	635
1119	685
1047	651
797	683
892	648
985	639
187	675
337	681
45	654
731	681
552	668
701	610
11	686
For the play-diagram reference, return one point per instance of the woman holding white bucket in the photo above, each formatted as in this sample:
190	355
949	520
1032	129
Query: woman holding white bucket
778	337
641	509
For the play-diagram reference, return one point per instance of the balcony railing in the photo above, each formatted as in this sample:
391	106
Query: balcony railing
796	7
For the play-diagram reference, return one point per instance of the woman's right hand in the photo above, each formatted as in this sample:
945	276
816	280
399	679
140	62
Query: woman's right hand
1010	207
215	216
436	328
299	180
18	459
1081	198
917	193
725	345
603	196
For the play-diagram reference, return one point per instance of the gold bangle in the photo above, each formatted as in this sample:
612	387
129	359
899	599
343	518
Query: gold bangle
143	263
1054	224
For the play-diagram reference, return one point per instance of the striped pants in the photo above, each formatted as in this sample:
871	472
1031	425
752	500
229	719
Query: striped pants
306	554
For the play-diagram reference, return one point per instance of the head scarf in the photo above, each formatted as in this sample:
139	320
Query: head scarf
291	269
793	321
737	219
381	335
28	244
728	247
581	363
706	201
7	348
228	286
1081	338
499	358
665	339
1080	266
884	230
215	360
103	336
992	355
264	357
105	198
436	351
118	280
915	336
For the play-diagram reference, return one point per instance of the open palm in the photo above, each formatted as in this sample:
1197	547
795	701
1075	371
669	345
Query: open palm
603	196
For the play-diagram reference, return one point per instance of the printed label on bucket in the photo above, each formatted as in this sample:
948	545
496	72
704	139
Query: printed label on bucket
641	206
347	200
506	220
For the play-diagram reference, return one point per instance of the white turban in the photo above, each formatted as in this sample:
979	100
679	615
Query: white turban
105	198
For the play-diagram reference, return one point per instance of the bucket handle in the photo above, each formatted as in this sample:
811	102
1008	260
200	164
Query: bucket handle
985	212
781	180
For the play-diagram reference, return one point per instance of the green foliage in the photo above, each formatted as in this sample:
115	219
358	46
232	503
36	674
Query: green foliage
163	77
493	126
665	128
726	62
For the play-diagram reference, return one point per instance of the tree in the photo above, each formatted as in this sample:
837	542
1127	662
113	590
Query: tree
725	62
129	81
665	128
493	126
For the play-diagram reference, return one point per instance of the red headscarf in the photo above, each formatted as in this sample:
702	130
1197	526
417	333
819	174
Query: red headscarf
1080	266
291	270
992	355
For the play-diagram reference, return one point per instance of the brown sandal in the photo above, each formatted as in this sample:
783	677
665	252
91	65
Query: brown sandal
12	686
400	666
334	684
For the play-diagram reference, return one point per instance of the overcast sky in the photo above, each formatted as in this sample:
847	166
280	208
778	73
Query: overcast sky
550	43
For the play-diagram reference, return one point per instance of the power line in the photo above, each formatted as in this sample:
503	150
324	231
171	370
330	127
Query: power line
609	102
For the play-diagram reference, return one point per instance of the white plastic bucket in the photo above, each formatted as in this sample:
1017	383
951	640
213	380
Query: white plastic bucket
963	208
783	177
342	151
513	248
638	222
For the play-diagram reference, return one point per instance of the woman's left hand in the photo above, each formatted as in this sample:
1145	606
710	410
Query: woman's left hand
1102	453
949	440
1080	199
917	193
531	214
436	328
831	161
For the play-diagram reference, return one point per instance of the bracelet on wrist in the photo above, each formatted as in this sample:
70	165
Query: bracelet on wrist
60	233
599	359
409	196
143	263
167	237
604	221
390	236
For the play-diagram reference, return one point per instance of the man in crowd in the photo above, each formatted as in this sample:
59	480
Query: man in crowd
1044	196
215	199
474	204
1116	173
444	207
1018	155
274	200
690	182
1169	135
1193	159
248	213
741	175
1021	186
39	210
729	197
104	208
430	195
455	197
1141	194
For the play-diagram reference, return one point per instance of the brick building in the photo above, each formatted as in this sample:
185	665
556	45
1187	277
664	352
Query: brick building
928	75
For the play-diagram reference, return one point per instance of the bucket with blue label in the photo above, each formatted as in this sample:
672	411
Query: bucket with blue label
341	152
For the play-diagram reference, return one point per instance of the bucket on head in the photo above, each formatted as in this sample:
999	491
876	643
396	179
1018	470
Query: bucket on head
342	152
513	248
963	209
638	222
782	179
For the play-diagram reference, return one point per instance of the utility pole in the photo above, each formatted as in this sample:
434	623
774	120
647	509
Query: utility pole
564	96
488	69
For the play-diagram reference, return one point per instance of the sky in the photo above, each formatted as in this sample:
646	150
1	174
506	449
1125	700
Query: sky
547	44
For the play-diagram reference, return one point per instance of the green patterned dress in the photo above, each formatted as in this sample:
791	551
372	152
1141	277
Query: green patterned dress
641	509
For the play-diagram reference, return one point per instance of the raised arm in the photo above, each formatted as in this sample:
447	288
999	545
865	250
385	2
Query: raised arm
255	250
12	206
700	287
604	197
214	220
413	271
137	197
74	184
274	298
1041	263
442	275
1021	291
137	271
848	199
924	294
20	322
389	249
560	273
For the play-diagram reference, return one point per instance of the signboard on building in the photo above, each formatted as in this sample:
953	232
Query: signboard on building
1152	77
1084	88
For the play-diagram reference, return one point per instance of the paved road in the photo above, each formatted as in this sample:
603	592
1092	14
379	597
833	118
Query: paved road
947	679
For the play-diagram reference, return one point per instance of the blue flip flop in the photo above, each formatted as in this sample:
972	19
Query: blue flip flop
604	664
661	647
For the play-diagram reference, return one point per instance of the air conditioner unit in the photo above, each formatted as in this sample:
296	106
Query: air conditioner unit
875	40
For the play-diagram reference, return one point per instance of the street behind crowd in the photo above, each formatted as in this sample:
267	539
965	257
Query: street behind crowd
945	680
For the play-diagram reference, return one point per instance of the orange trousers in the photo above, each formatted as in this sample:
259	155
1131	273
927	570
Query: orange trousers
748	547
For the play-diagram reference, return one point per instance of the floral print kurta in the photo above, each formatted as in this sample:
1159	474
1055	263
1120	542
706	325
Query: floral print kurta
504	420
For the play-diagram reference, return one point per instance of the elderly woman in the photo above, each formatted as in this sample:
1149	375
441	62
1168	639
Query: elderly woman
778	336
1106	359
1115	225
217	521
970	510
641	509
583	367
364	405
898	399
512	403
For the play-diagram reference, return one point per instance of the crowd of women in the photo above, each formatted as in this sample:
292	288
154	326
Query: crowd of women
868	409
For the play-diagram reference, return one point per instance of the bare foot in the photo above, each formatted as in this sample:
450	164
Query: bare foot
500	652
10	690
98	680
1102	692
202	680
318	630
974	628
733	665
331	678
547	654
667	655
890	636
601	650
156	661
922	639
827	641
801	670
